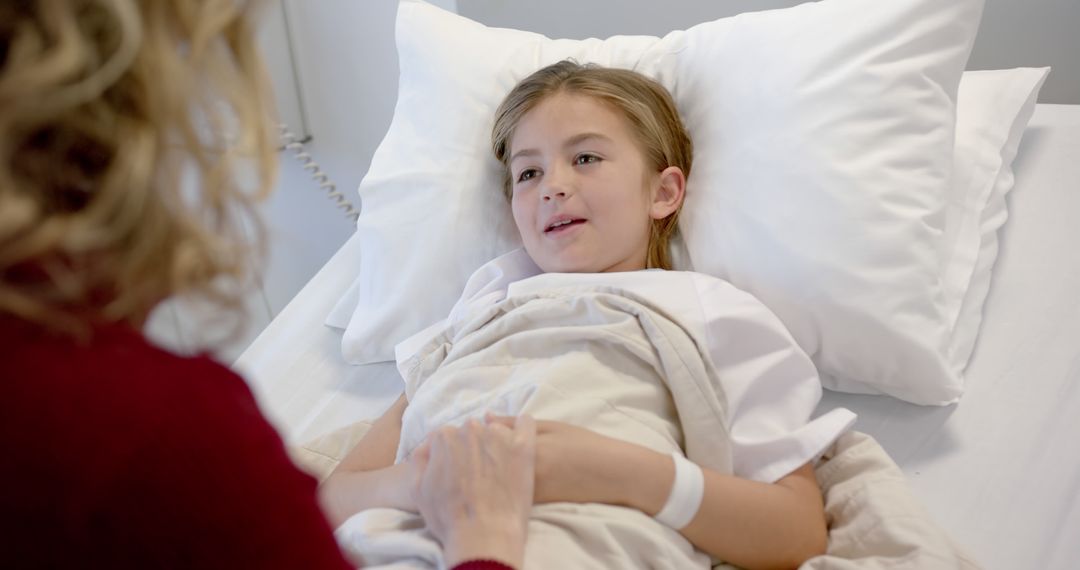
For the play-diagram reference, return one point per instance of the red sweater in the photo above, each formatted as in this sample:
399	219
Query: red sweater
118	454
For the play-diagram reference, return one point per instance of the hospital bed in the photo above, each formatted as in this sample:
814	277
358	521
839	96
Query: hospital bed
999	471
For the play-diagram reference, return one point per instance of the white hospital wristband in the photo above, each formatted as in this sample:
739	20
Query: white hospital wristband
686	494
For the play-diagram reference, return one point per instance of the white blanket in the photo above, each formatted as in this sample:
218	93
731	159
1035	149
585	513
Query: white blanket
875	522
596	358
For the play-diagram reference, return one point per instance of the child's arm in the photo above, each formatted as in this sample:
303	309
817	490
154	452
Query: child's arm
743	522
367	477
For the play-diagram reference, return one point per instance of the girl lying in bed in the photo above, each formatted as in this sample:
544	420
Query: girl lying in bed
674	409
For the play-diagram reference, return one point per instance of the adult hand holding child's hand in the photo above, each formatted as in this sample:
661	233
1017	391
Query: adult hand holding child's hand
475	488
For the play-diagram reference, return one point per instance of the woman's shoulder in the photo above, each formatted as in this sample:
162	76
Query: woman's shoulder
114	371
104	350
129	401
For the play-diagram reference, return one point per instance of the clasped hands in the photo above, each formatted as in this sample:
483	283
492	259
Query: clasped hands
482	470
482	478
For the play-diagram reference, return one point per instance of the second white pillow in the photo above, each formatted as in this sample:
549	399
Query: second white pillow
993	109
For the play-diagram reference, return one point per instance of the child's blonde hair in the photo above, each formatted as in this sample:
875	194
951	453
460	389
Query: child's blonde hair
644	103
122	126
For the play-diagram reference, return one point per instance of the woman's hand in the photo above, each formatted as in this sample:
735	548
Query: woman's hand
578	465
475	488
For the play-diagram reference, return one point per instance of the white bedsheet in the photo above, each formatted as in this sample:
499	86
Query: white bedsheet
1000	471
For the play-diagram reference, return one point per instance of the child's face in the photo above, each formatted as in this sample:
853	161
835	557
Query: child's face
574	159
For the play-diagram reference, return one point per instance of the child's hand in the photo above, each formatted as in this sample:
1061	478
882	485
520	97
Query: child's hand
578	465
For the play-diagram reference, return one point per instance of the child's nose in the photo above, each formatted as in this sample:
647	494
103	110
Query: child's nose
555	185
560	194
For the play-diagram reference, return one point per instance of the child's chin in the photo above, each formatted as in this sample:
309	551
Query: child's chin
567	266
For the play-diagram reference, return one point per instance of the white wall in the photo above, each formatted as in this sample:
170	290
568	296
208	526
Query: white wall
346	65
1013	33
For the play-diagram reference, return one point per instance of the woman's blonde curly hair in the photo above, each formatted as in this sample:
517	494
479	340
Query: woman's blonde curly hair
123	126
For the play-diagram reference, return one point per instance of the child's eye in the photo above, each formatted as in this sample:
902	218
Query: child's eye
586	159
527	174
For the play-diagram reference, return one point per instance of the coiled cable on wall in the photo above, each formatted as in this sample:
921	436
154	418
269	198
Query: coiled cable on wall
296	146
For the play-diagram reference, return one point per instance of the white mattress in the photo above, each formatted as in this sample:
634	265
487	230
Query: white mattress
1000	470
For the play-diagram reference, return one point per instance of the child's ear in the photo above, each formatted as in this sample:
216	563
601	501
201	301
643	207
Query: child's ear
668	193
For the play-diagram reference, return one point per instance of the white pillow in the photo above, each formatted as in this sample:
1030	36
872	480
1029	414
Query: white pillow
993	109
823	144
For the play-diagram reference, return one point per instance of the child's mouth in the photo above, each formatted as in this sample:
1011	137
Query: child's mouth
561	227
